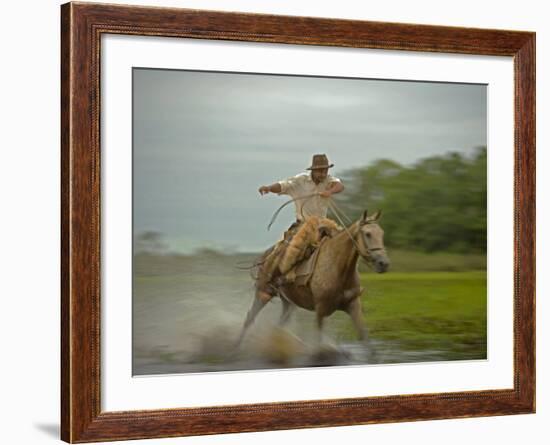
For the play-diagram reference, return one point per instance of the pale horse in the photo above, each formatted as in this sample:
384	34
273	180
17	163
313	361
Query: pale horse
335	283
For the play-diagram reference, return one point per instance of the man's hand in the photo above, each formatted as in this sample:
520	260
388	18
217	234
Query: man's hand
273	188
333	188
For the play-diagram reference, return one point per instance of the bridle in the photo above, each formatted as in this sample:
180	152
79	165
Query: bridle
368	251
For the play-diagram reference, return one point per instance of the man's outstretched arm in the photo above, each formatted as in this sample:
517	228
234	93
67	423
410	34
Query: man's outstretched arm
273	188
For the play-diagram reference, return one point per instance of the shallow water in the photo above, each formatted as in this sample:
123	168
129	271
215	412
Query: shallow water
188	312
378	352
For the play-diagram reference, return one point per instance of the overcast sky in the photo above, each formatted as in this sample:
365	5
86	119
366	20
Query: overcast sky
204	142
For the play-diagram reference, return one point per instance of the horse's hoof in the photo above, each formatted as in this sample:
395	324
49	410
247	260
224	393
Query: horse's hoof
370	353
328	355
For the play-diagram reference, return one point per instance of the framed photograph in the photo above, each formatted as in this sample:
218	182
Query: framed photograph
275	222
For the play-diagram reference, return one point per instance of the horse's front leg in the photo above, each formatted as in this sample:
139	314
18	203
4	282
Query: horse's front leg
355	311
320	318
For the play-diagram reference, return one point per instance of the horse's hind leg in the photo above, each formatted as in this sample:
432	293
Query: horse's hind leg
257	306
286	311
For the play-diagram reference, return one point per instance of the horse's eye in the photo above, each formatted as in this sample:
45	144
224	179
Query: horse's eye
368	234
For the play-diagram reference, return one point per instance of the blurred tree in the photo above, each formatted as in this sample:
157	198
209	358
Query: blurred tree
150	242
437	204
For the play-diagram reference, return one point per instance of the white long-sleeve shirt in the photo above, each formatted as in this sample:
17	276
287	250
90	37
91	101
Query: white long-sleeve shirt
299	187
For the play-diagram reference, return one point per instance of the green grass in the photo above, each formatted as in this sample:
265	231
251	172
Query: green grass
425	303
414	261
441	311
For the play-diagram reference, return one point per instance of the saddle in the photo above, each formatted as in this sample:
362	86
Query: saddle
293	259
301	273
301	243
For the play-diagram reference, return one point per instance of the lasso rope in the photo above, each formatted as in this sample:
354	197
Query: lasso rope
338	213
274	217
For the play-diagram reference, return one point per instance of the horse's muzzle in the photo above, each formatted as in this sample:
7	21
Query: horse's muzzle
381	265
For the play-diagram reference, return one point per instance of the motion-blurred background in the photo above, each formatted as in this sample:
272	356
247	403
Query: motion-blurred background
204	143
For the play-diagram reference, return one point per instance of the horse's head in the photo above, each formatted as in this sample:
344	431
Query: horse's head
370	241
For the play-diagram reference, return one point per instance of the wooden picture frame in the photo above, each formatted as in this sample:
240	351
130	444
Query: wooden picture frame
82	25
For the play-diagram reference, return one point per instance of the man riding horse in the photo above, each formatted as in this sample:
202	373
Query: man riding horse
310	192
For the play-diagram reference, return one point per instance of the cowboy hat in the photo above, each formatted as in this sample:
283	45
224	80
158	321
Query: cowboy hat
320	161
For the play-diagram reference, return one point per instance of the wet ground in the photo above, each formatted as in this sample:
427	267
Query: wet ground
188	312
279	356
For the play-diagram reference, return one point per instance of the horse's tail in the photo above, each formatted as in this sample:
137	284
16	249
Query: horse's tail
256	264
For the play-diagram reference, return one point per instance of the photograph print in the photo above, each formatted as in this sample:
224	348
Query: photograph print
285	221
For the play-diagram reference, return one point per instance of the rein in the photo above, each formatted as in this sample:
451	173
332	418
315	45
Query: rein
336	210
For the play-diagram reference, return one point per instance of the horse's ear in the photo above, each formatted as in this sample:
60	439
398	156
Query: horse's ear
377	215
364	217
